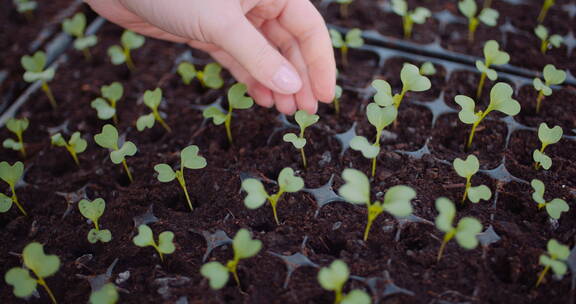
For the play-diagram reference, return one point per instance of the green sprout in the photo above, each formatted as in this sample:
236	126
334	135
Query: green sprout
418	16
555	207
152	100
257	195
11	174
500	100
552	76
544	10
209	77
145	238
108	139
74	146
547	41
487	15
555	258
35	71
334	277
337	96
93	210
304	120
547	136
412	81
236	100
427	69
107	294
465	231
42	266
75	27
120	54
467	168
353	39
16	126
25	7
106	105
356	190
190	159
244	247
344	4
492	56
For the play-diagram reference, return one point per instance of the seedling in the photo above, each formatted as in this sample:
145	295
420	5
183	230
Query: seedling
344	4
337	96
467	168
552	76
209	77
152	100
93	210
145	238
556	258
304	120
120	54
107	294
418	16
236	100
190	159
500	100
544	10
108	139
492	56
25	7
16	126
334	277
74	146
35	71
356	190
547	136
465	231
257	195
42	266
106	105
412	81
547	41
353	40
555	207
427	69
11	174
487	15
75	27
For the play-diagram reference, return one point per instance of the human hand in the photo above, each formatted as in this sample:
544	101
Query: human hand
280	49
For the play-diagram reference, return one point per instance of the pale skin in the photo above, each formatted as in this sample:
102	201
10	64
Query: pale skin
280	49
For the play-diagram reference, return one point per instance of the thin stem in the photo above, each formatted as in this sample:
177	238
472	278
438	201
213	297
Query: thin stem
481	84
87	54
337	105
544	46
73	154
344	54
377	144
469	143
407	24
43	284
161	121
232	267
115	116
273	200
544	11
468	184
15	200
539	101
96	226
338	295
303	155
542	275
21	141
182	182
447	237
472	29
127	170
49	94
367	229
129	62
227	125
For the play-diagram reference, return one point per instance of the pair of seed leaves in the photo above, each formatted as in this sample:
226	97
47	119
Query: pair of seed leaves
209	77
257	195
500	100
556	257
353	39
189	158
34	66
129	41
552	76
304	120
380	118
542	33
236	100
75	26
555	207
492	56
547	136
41	264
152	100
465	231
244	247
16	126
23	6
93	210
418	15
106	105
76	143
335	276
11	174
145	238
467	168
108	139
488	16
412	81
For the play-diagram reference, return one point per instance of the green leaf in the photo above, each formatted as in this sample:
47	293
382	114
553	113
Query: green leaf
244	246
354	38
446	214
77	143
549	136
541	32
397	200
114	91
131	40
304	119
17	126
144	237
544	160
489	16
400	7
257	195
10	143
289	182
337	92
75	26
104	236
45	76
128	149
559	268
420	14
467	113
24	284
556	41
427	68
501	99
57	140
337	40
107	294
360	143
553	76
412	80
34	63
334	276
5	203
356	188
468	8
466	168
216	273
466	231
85	42
555	208
116	55
11	173
216	114
103	108
298	142
166	242
540	86
152	99
92	210
482	192
187	71
379	117
190	159
539	188
383	95
212	78
165	173
494	55
108	138
145	121
36	260
236	97
557	249
356	296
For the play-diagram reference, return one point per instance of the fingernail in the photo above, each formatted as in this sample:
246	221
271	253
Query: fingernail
286	80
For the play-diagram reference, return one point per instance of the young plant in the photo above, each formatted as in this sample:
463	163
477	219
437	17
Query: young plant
74	146
556	258
427	69
35	71
555	207
107	294
487	15
152	100
190	159
465	231
76	27
304	120
418	16
547	41
244	247
236	100
11	174
145	238
412	81
16	126
547	136
344	4
353	40
25	7
108	139
337	96
93	210
120	54
544	10
257	195
356	190
552	76
492	56
106	105
209	77
467	168
42	266
500	100
334	277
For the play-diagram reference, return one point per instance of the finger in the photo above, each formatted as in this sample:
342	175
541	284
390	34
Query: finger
262	95
285	103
